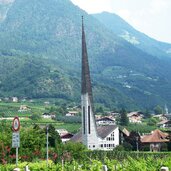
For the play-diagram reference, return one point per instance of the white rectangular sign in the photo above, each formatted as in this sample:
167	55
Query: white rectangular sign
15	139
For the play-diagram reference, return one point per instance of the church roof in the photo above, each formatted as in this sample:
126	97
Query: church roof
102	131
157	136
77	137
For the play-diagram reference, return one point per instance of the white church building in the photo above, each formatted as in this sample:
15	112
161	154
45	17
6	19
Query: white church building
92	136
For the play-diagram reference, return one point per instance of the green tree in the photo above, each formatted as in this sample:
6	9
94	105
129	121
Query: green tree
152	121
127	146
158	110
35	117
124	119
147	113
54	138
77	150
33	140
99	109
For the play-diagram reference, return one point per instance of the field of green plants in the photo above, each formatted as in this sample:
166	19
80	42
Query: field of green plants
129	164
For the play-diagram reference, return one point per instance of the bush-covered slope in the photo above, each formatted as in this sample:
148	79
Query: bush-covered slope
138	39
40	56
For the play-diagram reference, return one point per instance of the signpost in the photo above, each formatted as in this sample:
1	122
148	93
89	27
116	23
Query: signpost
16	136
15	140
47	143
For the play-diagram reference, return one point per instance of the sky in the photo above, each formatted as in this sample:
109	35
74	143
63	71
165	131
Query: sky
151	17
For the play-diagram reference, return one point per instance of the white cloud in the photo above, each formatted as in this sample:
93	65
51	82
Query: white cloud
148	16
159	6
94	6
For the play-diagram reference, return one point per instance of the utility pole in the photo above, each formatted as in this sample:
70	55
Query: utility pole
47	144
137	143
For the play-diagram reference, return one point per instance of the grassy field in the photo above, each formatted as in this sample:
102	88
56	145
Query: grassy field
12	109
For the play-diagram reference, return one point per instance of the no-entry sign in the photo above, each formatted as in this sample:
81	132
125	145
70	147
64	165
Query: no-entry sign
16	124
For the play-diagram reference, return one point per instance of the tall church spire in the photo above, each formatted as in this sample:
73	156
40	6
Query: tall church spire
86	80
89	131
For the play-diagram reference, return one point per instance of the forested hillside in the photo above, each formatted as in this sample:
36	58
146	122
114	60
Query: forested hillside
40	57
120	27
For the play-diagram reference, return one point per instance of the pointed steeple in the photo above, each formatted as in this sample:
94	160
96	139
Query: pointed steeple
89	131
86	81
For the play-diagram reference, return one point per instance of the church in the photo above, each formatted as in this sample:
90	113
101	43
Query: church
104	137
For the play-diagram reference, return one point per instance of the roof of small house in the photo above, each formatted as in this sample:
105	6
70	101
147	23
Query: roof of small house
164	122
62	132
126	132
105	119
74	112
156	136
133	113
67	135
102	131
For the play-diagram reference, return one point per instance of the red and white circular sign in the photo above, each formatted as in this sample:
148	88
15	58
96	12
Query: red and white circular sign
16	124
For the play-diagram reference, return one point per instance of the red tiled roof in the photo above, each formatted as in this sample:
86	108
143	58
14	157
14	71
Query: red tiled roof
156	137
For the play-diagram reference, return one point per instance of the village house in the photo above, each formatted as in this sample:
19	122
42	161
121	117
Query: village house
46	103
62	132
105	121
161	117
135	117
64	135
72	113
24	108
164	124
14	99
48	116
155	140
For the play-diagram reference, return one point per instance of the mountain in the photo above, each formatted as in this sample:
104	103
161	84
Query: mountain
40	57
121	28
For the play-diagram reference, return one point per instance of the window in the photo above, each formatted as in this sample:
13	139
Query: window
102	145
84	118
94	146
89	119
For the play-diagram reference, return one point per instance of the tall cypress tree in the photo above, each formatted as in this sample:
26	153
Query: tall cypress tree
54	138
124	119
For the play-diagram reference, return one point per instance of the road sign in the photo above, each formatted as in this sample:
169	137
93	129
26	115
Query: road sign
16	124
15	139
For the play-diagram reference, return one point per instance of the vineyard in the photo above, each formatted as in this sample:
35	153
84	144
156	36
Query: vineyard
129	164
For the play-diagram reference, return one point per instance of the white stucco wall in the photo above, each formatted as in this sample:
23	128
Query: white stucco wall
89	139
111	141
